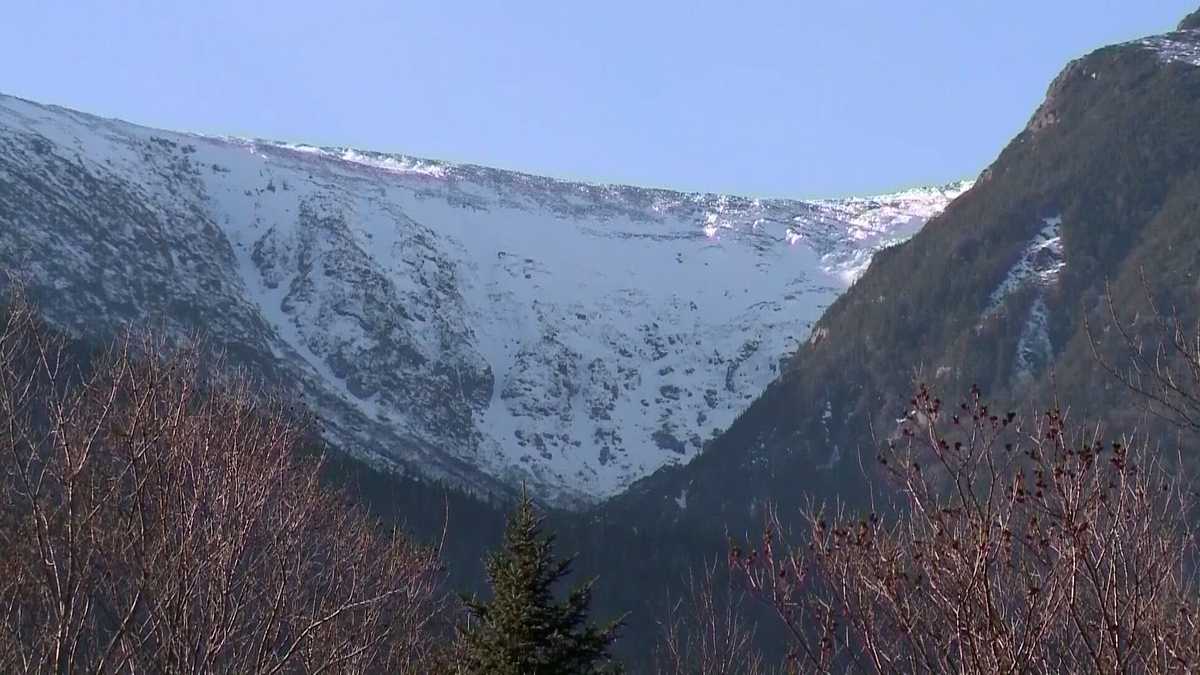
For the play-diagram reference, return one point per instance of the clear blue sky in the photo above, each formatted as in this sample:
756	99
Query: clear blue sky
770	97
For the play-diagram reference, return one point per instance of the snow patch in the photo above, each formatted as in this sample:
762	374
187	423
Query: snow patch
1178	47
1034	347
396	164
400	164
1041	263
1040	266
872	223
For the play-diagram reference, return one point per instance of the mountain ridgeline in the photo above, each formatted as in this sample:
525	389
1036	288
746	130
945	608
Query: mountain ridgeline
455	322
1098	195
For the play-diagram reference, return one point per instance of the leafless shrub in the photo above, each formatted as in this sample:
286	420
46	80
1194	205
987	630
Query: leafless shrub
706	633
1155	354
158	518
1021	545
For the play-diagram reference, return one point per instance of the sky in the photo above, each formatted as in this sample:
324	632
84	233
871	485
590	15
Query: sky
762	98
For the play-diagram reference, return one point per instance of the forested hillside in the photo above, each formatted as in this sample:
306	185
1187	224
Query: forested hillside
1099	196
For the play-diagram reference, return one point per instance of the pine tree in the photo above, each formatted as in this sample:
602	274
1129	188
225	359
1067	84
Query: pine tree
523	630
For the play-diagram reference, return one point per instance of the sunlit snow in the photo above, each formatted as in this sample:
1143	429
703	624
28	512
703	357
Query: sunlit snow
1040	263
1180	46
619	327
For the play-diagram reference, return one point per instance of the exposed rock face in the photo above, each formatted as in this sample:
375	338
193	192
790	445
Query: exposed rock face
462	322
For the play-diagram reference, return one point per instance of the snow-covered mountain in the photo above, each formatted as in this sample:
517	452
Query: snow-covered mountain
467	323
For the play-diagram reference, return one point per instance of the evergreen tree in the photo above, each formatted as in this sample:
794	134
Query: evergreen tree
523	630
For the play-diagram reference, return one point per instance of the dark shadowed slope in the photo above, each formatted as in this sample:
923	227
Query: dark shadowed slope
1100	185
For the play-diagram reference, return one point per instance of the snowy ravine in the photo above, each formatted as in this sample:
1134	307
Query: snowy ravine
466	323
1040	265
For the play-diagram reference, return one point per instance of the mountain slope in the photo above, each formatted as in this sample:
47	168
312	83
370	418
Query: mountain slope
1103	184
458	322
